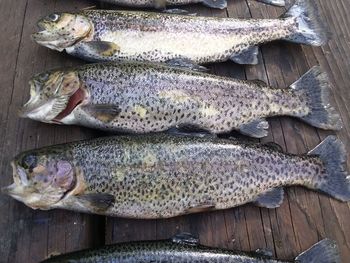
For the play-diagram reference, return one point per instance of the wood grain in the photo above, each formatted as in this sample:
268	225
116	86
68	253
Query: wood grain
304	217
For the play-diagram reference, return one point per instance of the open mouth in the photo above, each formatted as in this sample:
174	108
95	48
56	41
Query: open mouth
51	111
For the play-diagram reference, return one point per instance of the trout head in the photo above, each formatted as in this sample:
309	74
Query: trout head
41	178
53	96
62	30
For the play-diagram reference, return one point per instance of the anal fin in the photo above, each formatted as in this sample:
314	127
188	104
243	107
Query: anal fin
247	56
274	2
264	252
259	82
256	128
178	11
270	199
220	4
201	207
159	4
194	133
185	63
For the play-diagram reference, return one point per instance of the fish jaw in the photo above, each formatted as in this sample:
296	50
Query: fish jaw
41	113
48	40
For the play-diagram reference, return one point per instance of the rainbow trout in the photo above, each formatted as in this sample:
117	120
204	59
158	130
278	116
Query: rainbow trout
98	35
161	176
161	4
142	98
183	249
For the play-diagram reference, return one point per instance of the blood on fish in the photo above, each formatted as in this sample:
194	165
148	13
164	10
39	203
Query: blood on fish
73	102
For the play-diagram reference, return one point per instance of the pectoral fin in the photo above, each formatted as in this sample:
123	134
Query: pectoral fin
103	112
185	63
247	56
96	49
256	128
271	199
97	201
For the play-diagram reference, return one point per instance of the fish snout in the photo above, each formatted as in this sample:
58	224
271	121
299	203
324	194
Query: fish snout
9	190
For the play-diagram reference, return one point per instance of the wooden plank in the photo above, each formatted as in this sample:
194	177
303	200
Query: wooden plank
303	218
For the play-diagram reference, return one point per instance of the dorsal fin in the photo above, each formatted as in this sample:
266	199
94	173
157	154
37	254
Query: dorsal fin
274	146
185	239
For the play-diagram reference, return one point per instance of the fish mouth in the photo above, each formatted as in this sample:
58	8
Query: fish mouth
49	39
43	199
8	190
53	110
12	190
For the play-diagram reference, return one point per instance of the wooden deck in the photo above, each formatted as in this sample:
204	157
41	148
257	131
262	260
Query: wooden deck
304	218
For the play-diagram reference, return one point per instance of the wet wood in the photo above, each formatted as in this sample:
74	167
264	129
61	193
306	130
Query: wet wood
304	217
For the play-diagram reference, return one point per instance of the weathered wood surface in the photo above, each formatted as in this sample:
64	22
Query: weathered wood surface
304	218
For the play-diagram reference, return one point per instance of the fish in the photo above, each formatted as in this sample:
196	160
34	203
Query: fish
136	97
164	176
185	248
162	4
110	35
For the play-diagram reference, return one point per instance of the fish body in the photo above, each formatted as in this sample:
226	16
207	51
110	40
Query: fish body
172	251
162	176
101	35
143	98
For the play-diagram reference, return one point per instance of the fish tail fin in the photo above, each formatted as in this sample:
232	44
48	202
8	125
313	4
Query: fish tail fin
324	251
310	27
314	86
336	182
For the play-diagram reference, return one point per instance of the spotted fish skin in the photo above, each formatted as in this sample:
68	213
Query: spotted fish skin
108	35
161	251
152	98
142	98
162	176
143	36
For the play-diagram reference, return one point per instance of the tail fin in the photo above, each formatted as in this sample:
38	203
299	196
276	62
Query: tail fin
315	87
336	183
325	251
311	30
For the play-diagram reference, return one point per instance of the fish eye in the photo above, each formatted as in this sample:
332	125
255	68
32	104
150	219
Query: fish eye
53	17
29	162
